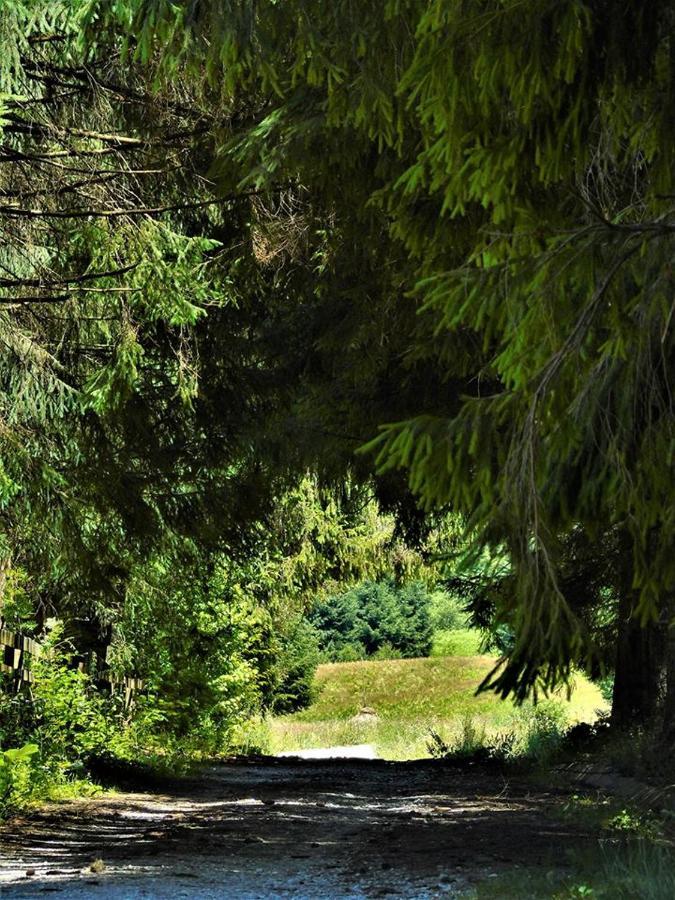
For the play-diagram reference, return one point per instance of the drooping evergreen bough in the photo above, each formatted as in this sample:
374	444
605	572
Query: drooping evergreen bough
460	219
516	160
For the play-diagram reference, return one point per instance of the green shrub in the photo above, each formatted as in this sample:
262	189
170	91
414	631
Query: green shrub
446	612
471	739
371	616
74	721
545	727
251	738
346	653
64	714
49	736
17	776
536	737
387	651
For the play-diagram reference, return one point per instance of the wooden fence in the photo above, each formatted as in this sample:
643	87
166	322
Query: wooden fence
18	652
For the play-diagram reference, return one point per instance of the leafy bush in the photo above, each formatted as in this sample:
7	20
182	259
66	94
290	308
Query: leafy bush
373	616
297	662
536	737
346	653
251	738
387	651
545	727
49	736
64	715
17	775
73	720
446	612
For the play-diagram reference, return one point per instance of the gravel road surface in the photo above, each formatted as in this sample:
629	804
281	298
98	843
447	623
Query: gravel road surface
338	828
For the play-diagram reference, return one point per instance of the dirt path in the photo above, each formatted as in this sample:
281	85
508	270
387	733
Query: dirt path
353	751
287	828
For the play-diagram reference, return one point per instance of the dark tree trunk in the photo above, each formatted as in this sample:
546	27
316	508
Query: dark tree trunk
638	677
640	656
668	712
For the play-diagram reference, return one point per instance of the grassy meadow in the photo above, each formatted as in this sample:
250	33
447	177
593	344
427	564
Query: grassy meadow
412	697
457	642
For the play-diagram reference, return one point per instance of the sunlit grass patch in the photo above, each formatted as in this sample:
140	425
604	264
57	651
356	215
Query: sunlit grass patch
457	642
411	697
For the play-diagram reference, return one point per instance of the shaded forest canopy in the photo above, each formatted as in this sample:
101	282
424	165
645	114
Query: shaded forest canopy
295	295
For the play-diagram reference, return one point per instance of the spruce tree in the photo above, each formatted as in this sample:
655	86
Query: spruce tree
515	163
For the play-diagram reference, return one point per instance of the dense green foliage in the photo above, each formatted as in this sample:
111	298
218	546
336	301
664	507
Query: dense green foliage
374	619
288	289
533	234
216	639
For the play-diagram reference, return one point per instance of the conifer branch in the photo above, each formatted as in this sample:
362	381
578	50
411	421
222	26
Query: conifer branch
27	213
74	279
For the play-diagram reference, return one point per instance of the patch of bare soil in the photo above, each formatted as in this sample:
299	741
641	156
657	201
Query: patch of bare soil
288	828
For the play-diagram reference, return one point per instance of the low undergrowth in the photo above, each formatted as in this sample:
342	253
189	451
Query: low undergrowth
632	858
636	870
535	737
28	777
52	736
630	854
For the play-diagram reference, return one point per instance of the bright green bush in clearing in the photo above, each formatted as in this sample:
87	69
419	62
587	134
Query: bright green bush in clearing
374	618
446	612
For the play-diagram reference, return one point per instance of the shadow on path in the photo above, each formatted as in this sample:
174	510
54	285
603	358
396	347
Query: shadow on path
288	828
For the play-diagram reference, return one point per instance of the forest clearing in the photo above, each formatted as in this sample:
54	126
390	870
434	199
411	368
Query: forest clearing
407	699
337	417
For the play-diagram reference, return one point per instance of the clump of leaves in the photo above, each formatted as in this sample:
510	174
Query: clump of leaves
17	776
